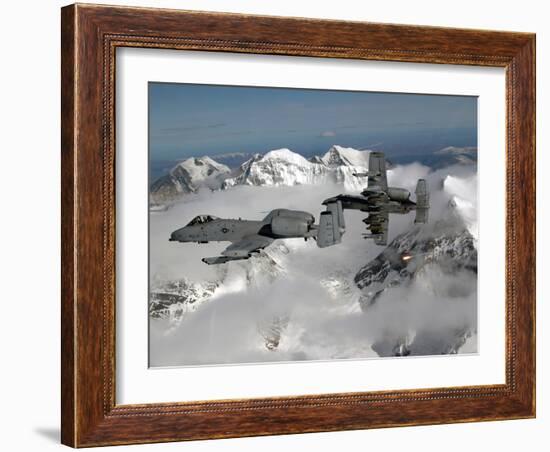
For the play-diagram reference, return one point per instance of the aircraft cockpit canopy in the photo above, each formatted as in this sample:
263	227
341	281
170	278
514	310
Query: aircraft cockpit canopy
202	219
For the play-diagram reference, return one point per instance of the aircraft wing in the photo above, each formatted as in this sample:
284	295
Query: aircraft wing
247	245
377	224
377	171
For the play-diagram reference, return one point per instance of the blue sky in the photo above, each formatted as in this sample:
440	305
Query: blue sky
192	120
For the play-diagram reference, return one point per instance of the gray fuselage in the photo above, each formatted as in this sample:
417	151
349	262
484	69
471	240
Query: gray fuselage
280	223
372	202
217	231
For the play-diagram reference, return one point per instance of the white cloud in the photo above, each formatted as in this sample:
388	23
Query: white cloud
321	325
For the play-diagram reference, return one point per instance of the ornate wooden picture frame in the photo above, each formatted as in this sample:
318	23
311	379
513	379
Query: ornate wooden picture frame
90	37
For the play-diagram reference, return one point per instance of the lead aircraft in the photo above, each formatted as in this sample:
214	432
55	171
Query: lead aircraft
248	237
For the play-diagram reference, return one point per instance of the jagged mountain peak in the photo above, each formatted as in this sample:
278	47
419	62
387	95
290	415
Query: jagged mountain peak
445	242
436	260
341	156
286	155
284	167
316	159
201	167
173	299
276	168
187	177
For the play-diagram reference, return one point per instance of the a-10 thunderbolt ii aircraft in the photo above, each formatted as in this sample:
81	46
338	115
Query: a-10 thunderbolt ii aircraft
379	200
249	237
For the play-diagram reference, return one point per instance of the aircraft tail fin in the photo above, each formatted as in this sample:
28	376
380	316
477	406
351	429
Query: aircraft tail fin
331	225
422	201
377	171
421	216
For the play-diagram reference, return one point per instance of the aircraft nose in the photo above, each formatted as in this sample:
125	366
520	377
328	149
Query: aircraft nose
177	236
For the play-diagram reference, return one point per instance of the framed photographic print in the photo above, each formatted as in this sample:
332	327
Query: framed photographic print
281	225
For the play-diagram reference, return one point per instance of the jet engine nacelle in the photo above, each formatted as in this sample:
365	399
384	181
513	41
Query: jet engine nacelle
298	214
290	226
398	194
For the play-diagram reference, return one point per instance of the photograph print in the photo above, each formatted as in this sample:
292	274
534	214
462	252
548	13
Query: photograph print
292	224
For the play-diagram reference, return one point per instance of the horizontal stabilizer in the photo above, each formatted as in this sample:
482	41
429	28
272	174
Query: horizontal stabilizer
367	174
379	239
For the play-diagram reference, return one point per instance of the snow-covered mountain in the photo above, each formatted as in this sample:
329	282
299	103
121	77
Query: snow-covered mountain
173	299
279	167
341	156
449	245
233	159
434	261
284	167
389	291
371	305
187	177
455	155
